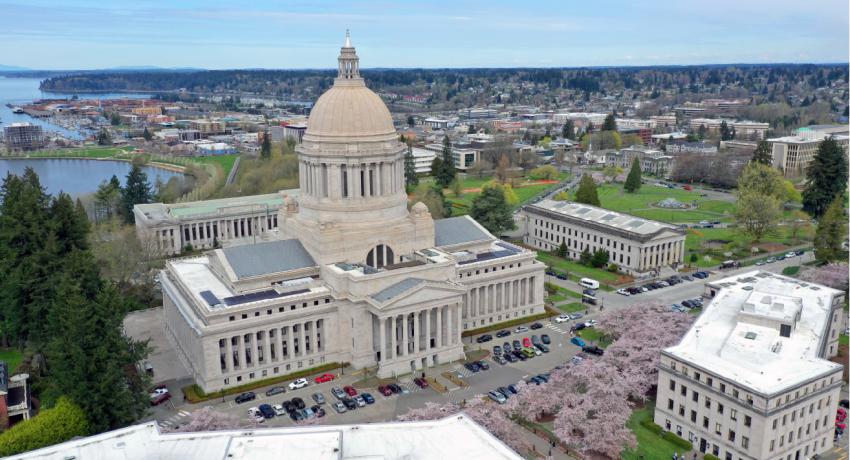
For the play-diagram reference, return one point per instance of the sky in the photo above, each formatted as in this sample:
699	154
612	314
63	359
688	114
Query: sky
214	34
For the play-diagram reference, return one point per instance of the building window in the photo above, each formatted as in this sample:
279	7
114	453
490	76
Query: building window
748	421
670	404
733	414
694	396
673	384
719	408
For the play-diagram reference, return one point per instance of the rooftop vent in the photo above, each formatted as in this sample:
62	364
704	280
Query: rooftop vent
750	335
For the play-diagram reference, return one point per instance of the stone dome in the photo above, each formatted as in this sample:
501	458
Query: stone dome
349	110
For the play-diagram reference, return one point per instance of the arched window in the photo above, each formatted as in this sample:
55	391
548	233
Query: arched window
380	256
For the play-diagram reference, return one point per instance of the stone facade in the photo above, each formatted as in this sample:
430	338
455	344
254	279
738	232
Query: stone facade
350	275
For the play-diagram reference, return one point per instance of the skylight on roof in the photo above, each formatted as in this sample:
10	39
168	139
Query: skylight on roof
750	335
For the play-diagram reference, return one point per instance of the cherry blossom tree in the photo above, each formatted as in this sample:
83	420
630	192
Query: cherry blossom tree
831	275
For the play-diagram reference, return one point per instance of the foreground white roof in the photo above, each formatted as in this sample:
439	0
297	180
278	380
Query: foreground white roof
456	436
737	336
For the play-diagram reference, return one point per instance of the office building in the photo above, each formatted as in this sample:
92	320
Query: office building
23	136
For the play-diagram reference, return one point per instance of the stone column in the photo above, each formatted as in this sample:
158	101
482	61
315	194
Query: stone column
379	178
274	344
267	352
439	326
405	334
458	324
240	348
254	349
301	345
416	338
450	318
228	355
382	339
393	333
428	329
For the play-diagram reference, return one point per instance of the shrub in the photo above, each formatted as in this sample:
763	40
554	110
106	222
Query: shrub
711	457
58	424
651	426
613	268
547	172
550	288
676	440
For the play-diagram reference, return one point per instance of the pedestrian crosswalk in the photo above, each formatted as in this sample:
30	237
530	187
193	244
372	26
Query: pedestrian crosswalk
557	328
463	372
175	419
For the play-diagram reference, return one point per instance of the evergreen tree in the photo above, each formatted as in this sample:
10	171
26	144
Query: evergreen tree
147	134
491	210
725	133
763	154
831	232
107	198
70	224
266	148
410	177
827	178
599	258
701	132
586	257
586	192
137	191
447	171
610	123
436	168
633	180
568	131
410	121
562	249
104	138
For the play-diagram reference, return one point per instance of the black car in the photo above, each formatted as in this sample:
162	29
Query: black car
275	391
500	359
395	388
579	327
536	326
318	411
542	347
484	338
245	397
700	275
483	365
298	403
266	410
497	350
517	345
593	350
519	355
509	357
588	292
545	339
473	367
296	415
503	333
688	304
649	286
544	377
505	391
350	404
506	347
551	272
844	403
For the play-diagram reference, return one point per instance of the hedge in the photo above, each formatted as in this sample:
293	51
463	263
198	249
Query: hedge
651	426
60	423
195	394
674	439
711	457
514	322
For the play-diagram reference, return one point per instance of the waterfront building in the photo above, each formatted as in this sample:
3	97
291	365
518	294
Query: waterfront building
751	378
352	275
637	246
23	136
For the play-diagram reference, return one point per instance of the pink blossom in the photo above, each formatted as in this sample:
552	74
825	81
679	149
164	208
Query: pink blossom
831	275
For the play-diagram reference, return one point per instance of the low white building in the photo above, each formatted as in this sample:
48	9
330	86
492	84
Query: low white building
422	159
638	246
456	436
792	154
750	379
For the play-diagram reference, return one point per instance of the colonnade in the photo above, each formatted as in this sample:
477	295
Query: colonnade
408	334
255	348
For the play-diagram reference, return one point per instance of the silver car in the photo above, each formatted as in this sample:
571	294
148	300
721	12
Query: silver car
319	398
498	397
340	407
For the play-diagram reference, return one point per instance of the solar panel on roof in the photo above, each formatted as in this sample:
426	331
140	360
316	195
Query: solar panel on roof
608	217
210	298
258	296
583	211
634	223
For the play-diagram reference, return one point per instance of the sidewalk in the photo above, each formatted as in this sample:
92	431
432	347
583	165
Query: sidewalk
542	446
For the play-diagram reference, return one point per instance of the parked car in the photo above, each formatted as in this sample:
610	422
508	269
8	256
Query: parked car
562	318
368	398
308	413
279	410
473	367
593	350
298	403
385	390
561	276
509	357
526	342
350	404
545	339
319	411
576	316
325	378
503	333
296	415
577	327
513	389
319	398
500	359
521	329
360	401
543	347
535	340
300	383
506	347
396	388
245	397
590	323
498	397
519	355
528	352
266	411
338	393
288	406
844	403
624	292
536	326
339	407
578	341
484	338
159	398
349	390
256	415
516	345
275	391
420	382
497	350
483	365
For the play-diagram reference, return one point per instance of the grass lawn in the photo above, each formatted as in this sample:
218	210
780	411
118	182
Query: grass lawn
573	267
696	237
640	204
225	161
844	339
594	336
556	298
88	152
649	444
572	307
12	358
791	271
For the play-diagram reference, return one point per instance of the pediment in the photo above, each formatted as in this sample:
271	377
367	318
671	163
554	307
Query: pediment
427	292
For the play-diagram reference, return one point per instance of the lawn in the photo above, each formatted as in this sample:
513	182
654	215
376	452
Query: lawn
649	444
640	204
89	152
572	307
594	337
12	358
696	237
225	161
844	339
573	267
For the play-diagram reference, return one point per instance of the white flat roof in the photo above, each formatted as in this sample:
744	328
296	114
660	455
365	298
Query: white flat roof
456	436
737	336
601	216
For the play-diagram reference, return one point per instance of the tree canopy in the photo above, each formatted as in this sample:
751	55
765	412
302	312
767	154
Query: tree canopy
586	192
633	180
831	233
491	209
137	191
827	177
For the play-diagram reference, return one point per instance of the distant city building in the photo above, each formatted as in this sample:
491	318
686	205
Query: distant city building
652	161
635	123
216	148
751	378
743	129
637	246
664	122
690	147
422	159
792	154
169	228
464	157
23	136
208	127
477	113
438	123
456	436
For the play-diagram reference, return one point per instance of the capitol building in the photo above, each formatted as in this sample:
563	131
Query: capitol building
351	273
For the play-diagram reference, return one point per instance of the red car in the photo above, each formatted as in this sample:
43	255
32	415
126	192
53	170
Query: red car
160	398
420	382
385	390
349	390
325	378
526	342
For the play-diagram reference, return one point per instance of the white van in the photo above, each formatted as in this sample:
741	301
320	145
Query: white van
589	283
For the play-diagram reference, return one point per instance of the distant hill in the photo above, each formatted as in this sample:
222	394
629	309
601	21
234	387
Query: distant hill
11	68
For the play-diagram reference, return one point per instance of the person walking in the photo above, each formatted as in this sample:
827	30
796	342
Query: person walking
675	456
